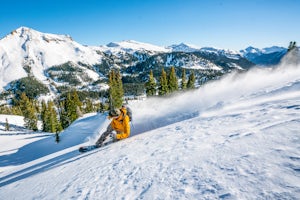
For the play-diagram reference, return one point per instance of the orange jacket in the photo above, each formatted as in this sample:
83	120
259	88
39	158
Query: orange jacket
121	125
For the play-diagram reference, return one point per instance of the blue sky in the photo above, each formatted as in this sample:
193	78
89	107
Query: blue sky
230	24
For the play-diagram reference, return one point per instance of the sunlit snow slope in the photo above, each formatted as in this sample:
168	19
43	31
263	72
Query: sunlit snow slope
236	138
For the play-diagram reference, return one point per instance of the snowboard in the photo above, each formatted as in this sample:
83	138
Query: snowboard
92	147
87	148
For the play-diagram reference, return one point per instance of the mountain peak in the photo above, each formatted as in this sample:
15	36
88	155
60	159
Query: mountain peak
273	49
24	31
132	45
266	50
184	47
23	28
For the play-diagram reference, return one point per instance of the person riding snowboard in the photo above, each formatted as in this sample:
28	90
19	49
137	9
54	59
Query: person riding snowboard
119	127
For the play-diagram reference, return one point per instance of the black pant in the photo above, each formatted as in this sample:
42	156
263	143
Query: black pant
104	135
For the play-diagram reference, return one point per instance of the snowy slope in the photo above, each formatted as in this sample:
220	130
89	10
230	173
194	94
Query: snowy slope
225	52
236	138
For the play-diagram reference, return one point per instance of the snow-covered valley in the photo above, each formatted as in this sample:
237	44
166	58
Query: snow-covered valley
235	138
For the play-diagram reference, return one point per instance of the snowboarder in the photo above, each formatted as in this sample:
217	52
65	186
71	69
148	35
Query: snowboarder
119	127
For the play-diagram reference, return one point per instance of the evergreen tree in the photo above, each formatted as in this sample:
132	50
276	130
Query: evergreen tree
119	89
163	83
52	121
116	91
151	85
65	121
59	127
89	107
70	109
6	125
183	80
112	89
15	110
73	106
23	103
172	81
29	112
78	104
31	118
191	81
44	115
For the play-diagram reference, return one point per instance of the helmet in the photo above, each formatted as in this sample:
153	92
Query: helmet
115	112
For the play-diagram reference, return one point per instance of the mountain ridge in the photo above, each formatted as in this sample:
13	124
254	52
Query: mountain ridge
27	52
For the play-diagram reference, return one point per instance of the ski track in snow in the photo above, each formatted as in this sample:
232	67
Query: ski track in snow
224	141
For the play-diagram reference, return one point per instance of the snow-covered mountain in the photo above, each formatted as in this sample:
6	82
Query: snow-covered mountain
265	56
52	59
57	60
132	46
234	138
36	51
182	47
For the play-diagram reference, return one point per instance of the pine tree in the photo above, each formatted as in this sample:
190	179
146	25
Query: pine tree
6	125
24	103
73	106
70	109
31	119
44	116
116	91
52	120
29	112
15	110
63	115
78	104
191	81
89	107
119	89
151	85
172	81
163	83
183	80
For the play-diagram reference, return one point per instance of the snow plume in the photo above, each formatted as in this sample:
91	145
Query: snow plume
233	91
291	58
102	122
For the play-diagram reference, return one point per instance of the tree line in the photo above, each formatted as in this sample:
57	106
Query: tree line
56	115
168	83
53	115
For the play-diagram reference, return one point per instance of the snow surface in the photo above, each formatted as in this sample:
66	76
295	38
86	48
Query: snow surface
235	138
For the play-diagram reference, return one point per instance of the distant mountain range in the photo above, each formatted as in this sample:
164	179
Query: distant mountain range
265	56
58	61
